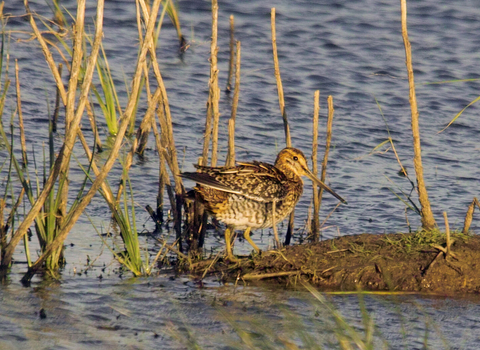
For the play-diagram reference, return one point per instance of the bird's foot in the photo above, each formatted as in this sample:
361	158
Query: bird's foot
231	258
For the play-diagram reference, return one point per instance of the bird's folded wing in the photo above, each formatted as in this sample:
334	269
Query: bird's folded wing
257	181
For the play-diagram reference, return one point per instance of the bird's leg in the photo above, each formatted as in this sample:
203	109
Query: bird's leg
274	224
246	234
228	244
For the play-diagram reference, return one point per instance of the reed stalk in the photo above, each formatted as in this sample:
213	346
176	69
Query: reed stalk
428	221
212	110
230	162
328	141
214	93
315	228
281	102
206	136
231	65
163	178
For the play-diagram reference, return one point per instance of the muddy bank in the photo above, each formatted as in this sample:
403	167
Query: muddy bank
387	262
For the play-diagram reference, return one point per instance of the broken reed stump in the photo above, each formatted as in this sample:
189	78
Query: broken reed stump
469	215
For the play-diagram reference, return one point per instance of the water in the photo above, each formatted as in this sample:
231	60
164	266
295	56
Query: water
350	50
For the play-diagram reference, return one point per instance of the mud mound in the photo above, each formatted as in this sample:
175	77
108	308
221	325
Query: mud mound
388	262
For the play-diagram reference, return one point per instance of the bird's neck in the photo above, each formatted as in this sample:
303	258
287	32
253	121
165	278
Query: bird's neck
289	173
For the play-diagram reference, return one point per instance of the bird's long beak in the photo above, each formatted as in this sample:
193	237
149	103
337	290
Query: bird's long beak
312	177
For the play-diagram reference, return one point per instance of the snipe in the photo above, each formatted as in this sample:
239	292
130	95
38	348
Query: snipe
253	195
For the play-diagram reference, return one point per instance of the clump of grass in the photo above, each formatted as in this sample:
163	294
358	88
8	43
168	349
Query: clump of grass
420	240
109	104
126	220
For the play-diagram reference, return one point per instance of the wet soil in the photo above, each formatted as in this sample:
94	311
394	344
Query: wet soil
414	262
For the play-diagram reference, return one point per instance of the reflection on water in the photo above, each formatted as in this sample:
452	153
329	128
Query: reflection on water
350	50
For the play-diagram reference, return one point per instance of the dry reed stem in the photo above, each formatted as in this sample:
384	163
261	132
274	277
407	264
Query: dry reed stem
163	178
124	121
207	135
316	205
428	222
281	99
231	65
281	102
77	54
231	123
23	143
214	95
447	232
171	248
178	202
399	162
330	214
146	124
75	69
328	141
46	51
254	276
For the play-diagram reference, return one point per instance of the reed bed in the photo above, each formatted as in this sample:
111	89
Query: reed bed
76	97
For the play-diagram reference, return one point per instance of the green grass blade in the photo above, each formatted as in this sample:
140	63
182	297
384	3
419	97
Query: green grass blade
460	113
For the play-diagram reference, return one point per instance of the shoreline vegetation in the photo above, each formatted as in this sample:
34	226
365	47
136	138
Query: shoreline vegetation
424	261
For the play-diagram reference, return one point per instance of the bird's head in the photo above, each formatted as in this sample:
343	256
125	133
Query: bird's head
292	162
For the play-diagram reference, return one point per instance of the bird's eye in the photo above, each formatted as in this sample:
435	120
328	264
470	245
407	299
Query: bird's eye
295	158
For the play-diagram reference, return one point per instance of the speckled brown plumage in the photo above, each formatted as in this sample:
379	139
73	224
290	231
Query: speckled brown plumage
243	196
